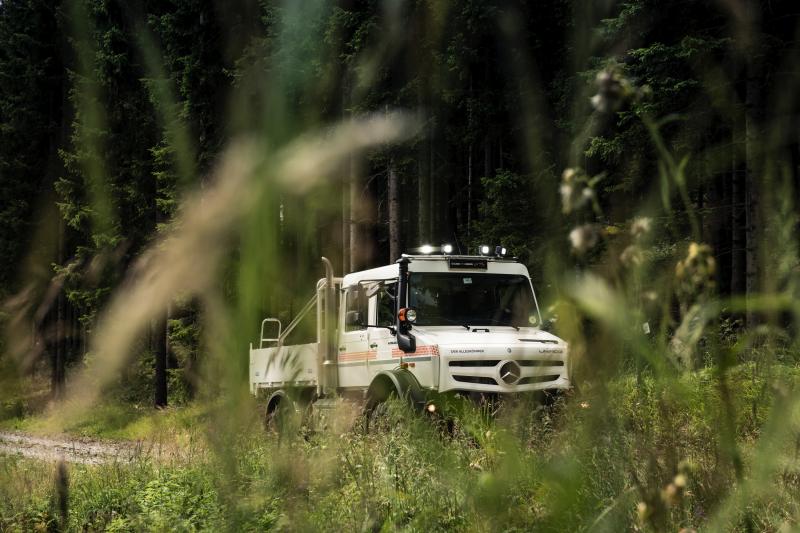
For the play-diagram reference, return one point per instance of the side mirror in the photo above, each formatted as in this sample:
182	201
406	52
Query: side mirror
352	318
406	342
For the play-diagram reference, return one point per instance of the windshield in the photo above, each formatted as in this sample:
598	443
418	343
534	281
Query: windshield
470	299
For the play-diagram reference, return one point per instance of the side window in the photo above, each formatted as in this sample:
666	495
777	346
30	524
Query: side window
356	309
386	305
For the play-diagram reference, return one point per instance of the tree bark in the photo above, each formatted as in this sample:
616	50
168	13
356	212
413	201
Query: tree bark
738	210
487	156
432	218
394	213
59	367
161	351
753	166
353	218
161	334
346	224
423	191
469	191
423	177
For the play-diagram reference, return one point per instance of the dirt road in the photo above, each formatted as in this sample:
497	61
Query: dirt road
75	450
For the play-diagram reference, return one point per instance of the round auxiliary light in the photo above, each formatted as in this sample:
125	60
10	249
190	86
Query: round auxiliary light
411	315
485	249
426	249
431	408
447	248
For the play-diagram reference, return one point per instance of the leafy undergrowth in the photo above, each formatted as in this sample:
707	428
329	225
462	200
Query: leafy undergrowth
690	451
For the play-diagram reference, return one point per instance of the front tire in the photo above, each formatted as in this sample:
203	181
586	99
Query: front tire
376	411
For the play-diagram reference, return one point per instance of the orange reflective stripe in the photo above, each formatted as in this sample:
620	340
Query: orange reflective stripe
358	356
428	349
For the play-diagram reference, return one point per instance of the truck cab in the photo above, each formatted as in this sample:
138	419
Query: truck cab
476	326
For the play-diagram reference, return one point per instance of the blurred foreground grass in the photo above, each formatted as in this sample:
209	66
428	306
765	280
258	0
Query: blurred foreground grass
575	465
694	425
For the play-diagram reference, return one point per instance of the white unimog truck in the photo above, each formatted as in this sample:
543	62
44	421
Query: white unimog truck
419	328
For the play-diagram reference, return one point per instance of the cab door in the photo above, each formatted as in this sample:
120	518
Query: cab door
381	339
352	346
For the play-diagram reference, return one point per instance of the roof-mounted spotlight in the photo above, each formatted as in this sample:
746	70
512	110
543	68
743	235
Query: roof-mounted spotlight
500	251
485	249
426	249
447	249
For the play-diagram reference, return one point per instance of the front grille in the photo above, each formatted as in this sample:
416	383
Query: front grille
503	373
475	363
482	380
538	379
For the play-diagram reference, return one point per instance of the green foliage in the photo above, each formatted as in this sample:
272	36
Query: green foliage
586	459
505	216
30	119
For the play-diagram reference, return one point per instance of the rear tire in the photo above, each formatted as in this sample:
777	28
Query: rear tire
288	410
277	412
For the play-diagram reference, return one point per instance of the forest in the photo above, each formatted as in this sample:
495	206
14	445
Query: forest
172	171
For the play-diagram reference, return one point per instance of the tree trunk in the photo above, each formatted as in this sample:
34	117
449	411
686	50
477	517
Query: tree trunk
719	201
423	176
754	168
56	137
469	191
161	335
737	211
353	219
488	171
423	192
346	186
161	351
346	224
432	181
394	213
59	372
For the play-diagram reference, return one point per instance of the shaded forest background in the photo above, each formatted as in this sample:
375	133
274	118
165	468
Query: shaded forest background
111	111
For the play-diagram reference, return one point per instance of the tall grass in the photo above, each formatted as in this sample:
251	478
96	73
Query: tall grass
652	458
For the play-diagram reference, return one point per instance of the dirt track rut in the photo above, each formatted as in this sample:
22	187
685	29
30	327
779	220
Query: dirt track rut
74	450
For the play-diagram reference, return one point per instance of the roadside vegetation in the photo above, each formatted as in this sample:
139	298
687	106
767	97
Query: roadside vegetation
650	454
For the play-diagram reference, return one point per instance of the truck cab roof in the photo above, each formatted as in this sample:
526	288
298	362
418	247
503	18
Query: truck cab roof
440	263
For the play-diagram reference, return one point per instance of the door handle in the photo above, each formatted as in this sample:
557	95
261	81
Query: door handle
374	345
